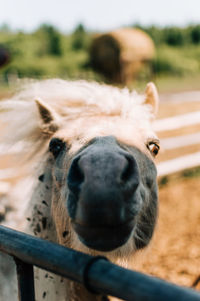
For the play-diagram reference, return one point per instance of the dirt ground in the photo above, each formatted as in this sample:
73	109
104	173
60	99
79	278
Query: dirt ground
174	254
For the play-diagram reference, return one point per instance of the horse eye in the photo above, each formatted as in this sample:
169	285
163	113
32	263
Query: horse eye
56	146
154	148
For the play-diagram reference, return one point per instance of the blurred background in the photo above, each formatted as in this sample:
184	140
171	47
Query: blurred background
60	39
124	43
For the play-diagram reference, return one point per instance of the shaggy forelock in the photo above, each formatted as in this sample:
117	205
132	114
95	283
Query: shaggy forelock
85	110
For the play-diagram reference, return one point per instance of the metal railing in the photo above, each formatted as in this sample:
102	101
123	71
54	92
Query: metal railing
96	273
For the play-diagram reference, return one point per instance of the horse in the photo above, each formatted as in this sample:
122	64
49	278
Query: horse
4	56
88	151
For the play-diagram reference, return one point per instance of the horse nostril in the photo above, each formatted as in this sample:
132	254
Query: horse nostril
128	170
75	176
130	175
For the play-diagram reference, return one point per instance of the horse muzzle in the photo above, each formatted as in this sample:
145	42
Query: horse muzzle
103	201
104	238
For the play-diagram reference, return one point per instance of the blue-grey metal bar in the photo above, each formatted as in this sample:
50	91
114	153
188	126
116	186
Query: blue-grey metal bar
102	276
25	277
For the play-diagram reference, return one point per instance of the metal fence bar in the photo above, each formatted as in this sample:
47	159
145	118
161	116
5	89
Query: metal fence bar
25	277
100	275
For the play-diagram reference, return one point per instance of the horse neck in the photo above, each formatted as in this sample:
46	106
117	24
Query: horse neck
40	218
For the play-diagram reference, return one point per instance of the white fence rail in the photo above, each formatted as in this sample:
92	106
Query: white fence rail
175	165
180	141
181	162
177	122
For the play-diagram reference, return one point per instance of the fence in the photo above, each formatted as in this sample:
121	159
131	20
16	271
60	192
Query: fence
174	123
96	273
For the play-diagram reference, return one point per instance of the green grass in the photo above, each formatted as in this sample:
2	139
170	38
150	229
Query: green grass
178	60
176	68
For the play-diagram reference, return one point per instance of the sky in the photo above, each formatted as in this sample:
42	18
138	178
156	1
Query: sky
97	15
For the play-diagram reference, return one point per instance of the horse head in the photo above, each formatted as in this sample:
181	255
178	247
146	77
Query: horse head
104	176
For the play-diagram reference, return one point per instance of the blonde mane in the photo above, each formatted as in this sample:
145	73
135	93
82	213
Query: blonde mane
70	100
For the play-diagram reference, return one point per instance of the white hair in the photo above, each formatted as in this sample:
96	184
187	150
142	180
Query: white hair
71	101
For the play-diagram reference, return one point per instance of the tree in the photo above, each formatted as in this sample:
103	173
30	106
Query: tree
174	36
53	39
5	28
79	38
195	34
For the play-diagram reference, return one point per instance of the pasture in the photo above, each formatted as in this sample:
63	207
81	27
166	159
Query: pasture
174	252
